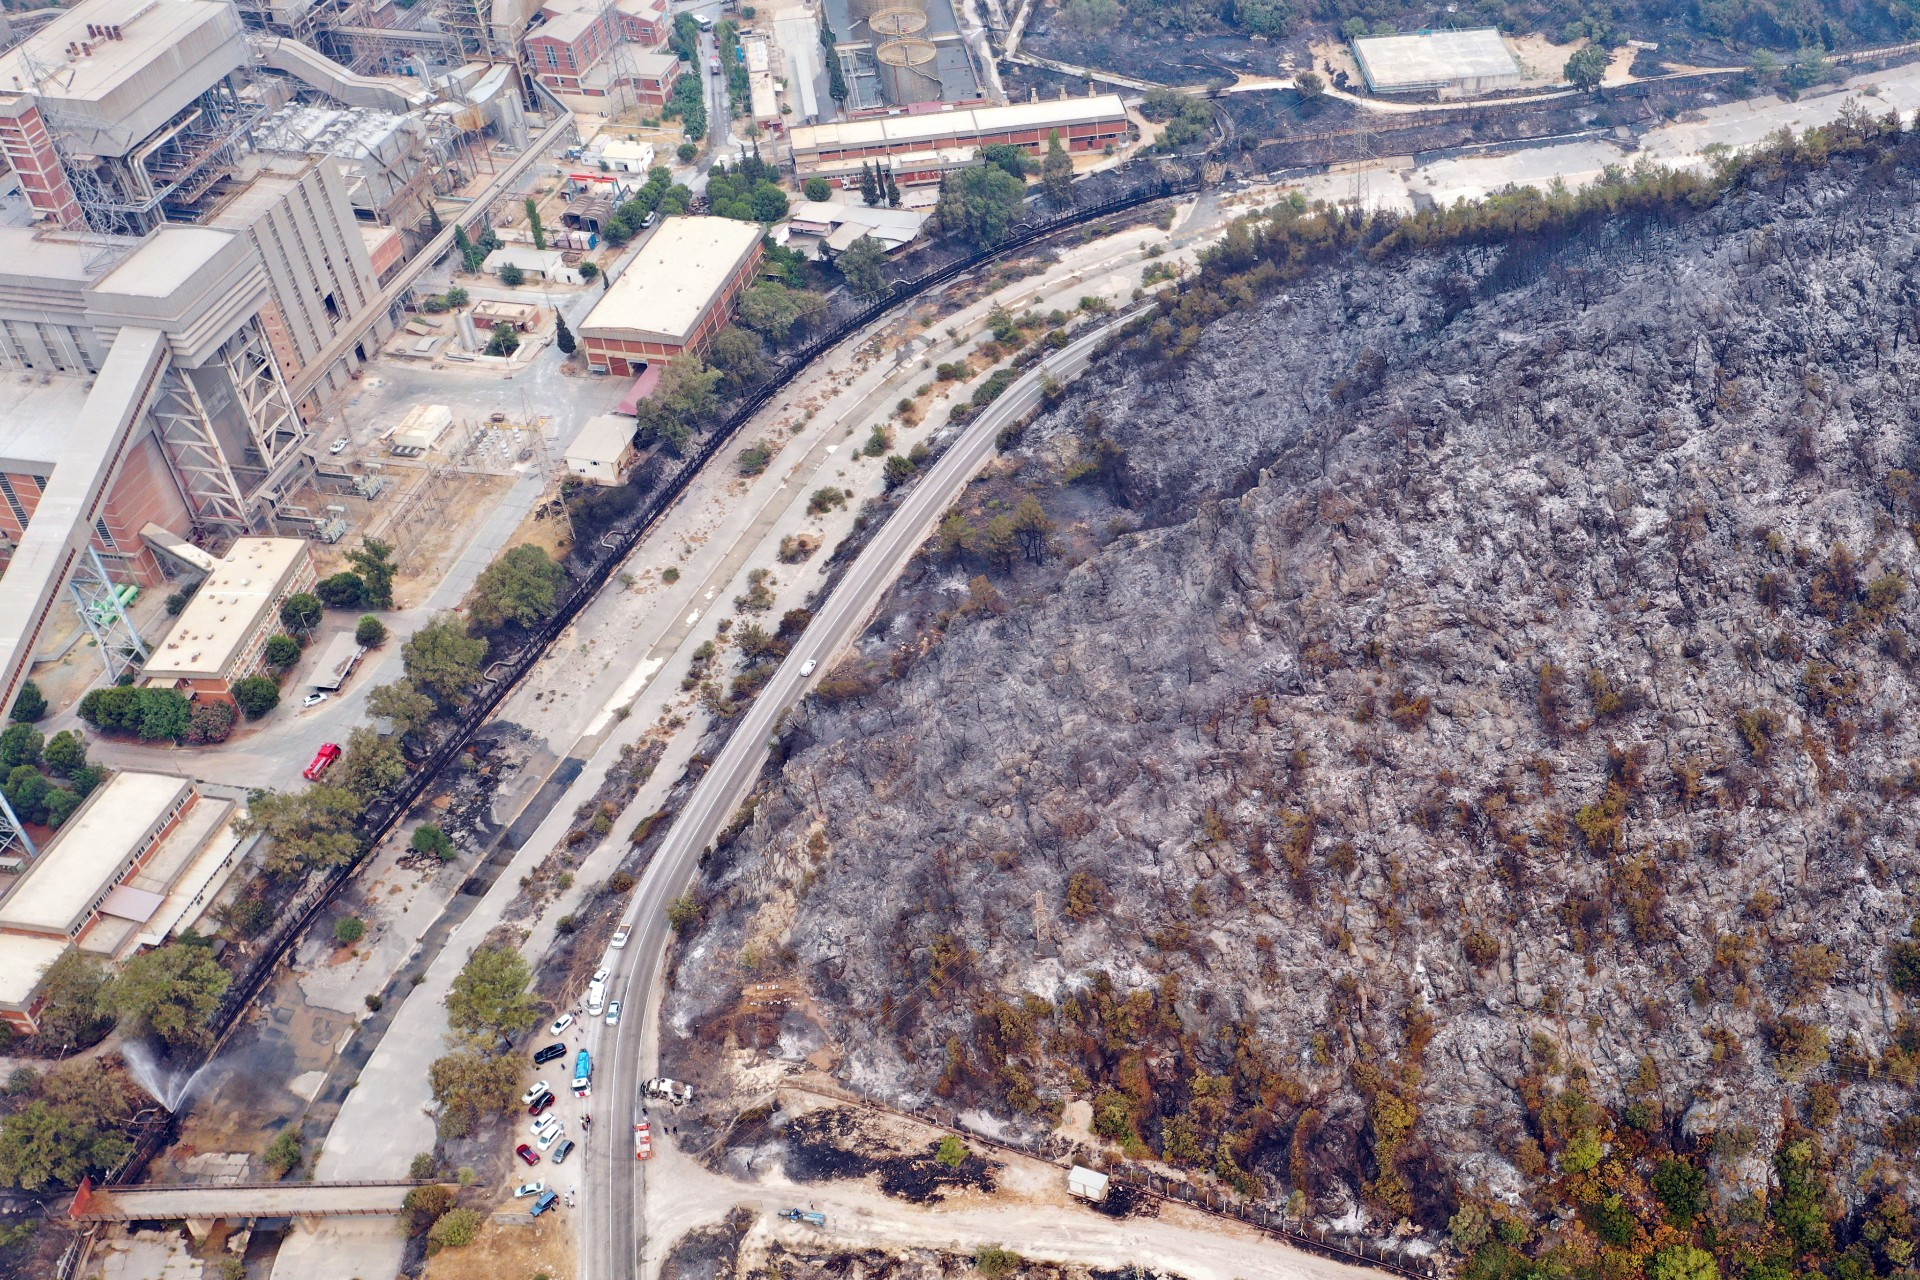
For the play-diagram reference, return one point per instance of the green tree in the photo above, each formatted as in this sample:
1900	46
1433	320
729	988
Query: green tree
1682	1262
1056	173
512	276
65	752
818	189
370	632
1310	87
428	838
61	802
443	661
301	612
493	994
282	652
996	1263
737	353
371	765
952	1153
73	1011
870	192
44	1145
779	313
343	590
257	695
980	204
863	265
1587	67
504	342
1091	17
26	790
836	78
402	705
892	189
171	991
283	1153
521	588
373	561
29	704
563	336
535	225
309	829
165	715
20	744
348	930
1010	159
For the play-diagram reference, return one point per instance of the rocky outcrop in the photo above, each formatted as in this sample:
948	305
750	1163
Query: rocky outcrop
1460	730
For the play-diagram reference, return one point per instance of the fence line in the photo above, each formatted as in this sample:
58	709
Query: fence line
1356	1252
610	548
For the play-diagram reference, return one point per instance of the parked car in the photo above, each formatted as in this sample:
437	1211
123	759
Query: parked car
540	1104
566	1149
599	979
621	935
539	1087
560	1024
543	1204
546	1140
802	1215
713	66
338	446
526	1189
315	698
613	1014
643	1141
527	1153
545	1124
543	1056
326	755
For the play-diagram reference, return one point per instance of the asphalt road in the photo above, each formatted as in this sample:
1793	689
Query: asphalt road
610	1208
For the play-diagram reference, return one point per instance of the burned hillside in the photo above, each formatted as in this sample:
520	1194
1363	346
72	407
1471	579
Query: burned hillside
1426	725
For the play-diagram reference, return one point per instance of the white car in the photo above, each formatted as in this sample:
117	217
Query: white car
546	1140
338	446
560	1024
526	1189
539	1087
313	699
621	935
806	668
545	1124
613	1014
600	978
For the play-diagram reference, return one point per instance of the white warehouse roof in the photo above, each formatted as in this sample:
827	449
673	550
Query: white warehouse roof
670	284
604	439
1431	59
928	126
90	852
223	613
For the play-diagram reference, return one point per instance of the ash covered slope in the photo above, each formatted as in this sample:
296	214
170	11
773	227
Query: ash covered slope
1491	741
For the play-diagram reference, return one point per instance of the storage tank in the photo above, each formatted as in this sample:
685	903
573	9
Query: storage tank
906	70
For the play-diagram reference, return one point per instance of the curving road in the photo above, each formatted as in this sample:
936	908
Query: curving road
611	1249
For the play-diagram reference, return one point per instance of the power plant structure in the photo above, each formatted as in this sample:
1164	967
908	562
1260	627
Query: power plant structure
896	54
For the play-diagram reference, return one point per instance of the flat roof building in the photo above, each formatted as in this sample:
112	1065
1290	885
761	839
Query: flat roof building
221	636
838	150
1455	63
142	858
603	450
678	292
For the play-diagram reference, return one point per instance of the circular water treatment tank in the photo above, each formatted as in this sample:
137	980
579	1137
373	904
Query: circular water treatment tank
908	52
896	18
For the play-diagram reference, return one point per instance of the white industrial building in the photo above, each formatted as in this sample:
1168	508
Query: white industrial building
1453	63
603	450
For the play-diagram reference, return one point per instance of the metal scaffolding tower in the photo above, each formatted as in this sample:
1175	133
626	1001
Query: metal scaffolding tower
274	435
104	614
12	834
470	25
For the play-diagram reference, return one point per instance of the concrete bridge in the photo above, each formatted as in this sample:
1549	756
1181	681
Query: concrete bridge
206	1204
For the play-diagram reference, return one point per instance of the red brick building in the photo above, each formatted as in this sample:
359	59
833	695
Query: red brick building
674	296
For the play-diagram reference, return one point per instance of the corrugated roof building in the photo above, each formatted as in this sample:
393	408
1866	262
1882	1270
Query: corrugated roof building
678	292
1455	63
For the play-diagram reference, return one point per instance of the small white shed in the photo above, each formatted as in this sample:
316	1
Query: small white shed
1088	1184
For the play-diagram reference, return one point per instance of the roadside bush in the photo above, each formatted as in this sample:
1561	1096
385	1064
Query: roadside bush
818	189
428	838
455	1229
210	722
995	1263
344	590
283	1153
754	458
370	631
348	930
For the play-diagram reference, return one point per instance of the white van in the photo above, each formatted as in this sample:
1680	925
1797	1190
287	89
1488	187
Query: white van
596	999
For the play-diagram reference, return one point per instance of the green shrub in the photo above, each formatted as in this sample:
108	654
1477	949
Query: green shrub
348	930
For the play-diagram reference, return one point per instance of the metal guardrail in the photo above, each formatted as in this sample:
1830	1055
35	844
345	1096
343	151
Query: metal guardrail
611	548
